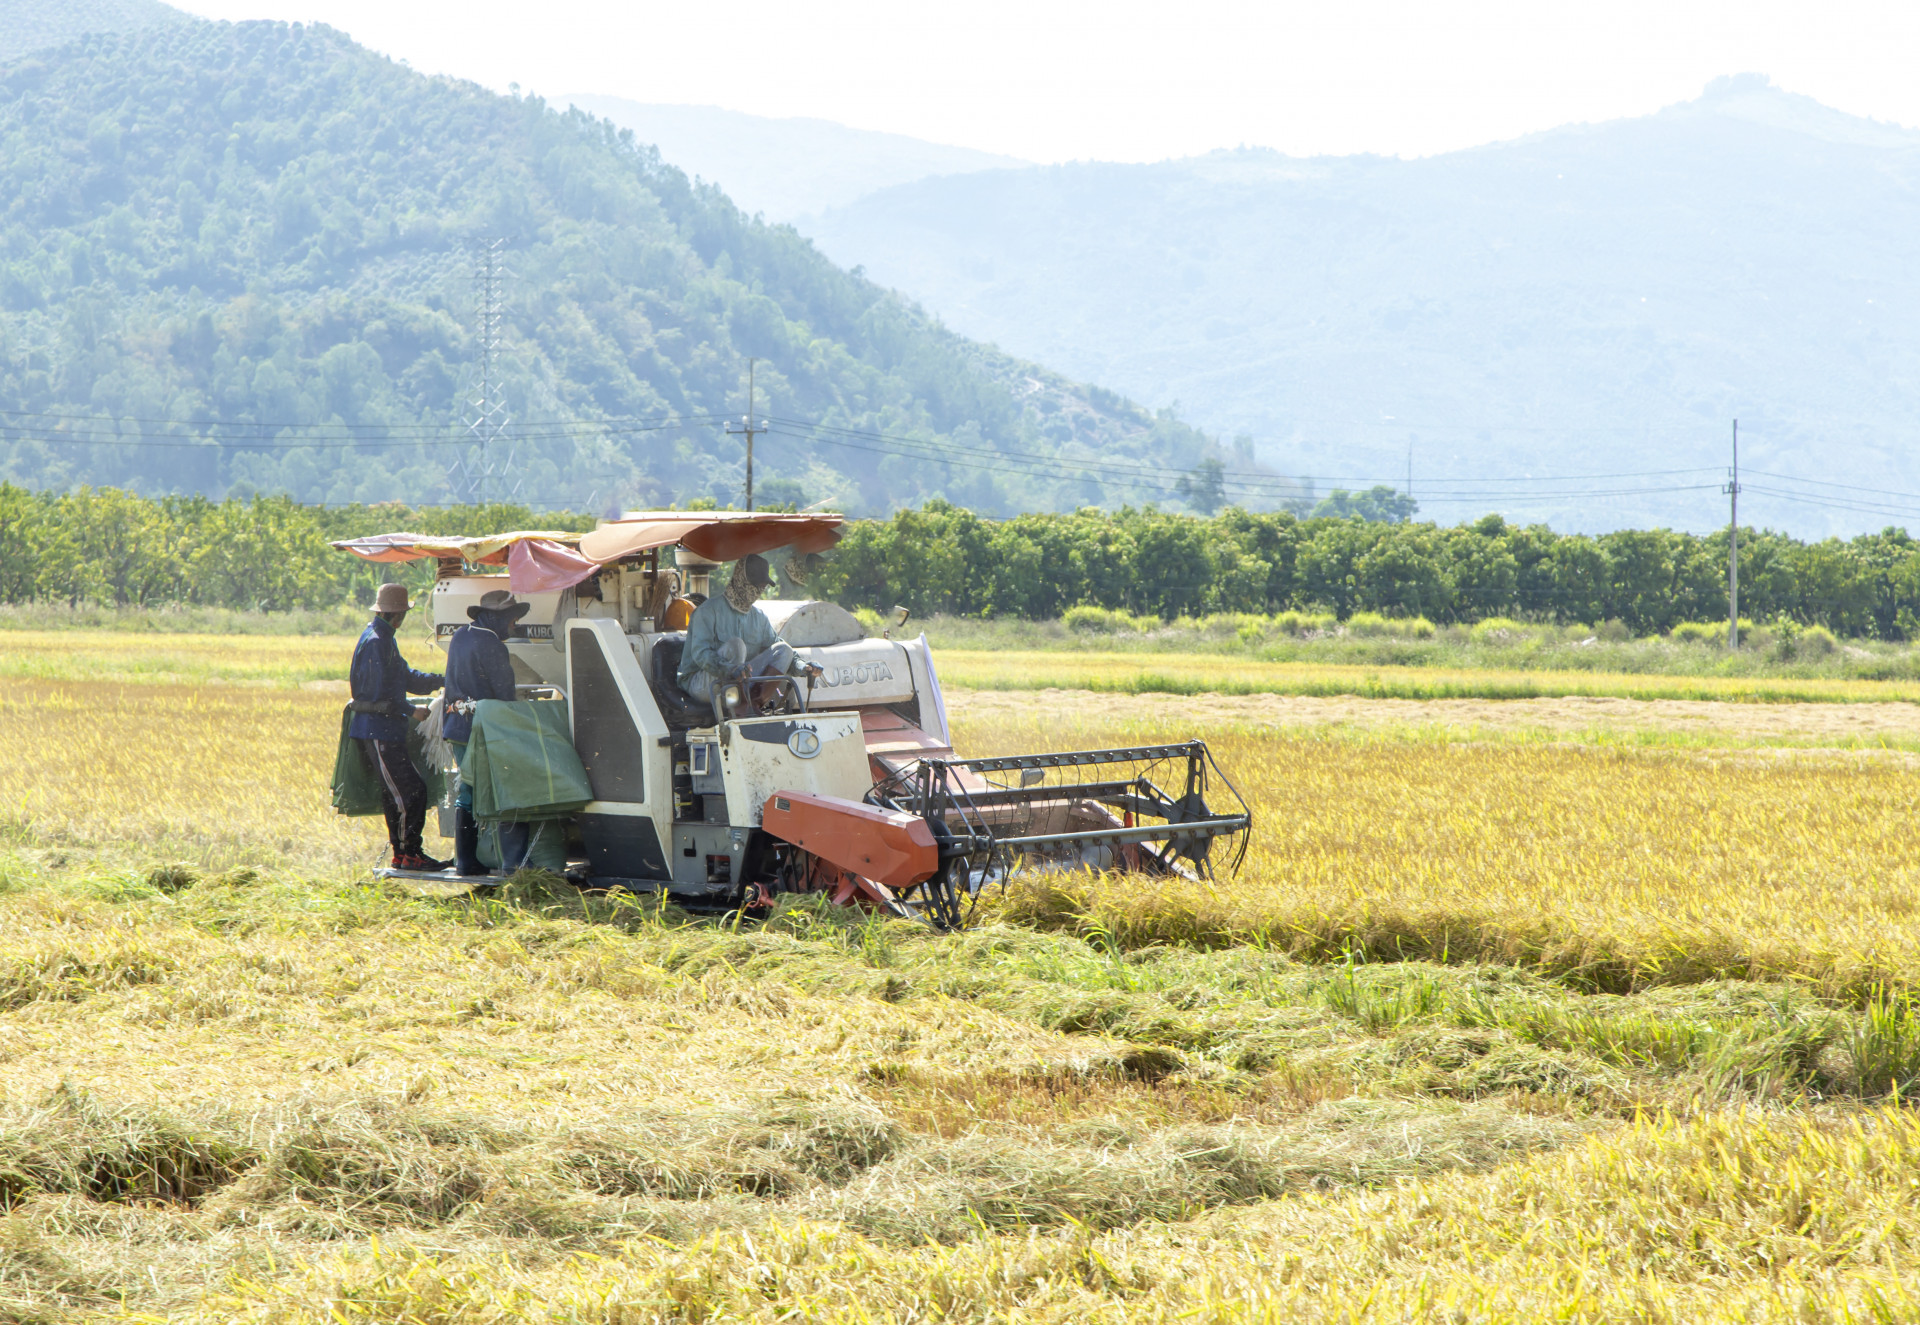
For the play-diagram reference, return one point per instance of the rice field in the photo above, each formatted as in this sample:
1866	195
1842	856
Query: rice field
1205	673
1507	1018
292	660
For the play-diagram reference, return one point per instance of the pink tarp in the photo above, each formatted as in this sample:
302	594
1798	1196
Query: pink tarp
538	565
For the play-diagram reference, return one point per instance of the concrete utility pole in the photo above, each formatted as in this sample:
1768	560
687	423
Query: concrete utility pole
746	428
1732	489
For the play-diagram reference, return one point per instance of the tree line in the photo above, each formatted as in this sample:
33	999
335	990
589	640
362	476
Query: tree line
110	547
941	558
113	548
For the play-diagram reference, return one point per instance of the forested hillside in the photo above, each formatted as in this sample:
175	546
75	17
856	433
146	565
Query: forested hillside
238	258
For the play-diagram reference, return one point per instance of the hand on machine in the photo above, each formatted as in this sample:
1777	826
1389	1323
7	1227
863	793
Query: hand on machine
764	685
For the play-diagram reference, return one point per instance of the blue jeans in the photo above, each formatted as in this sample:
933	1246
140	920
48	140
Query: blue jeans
462	799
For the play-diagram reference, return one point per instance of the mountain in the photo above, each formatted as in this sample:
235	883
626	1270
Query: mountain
1597	299
784	168
242	257
31	25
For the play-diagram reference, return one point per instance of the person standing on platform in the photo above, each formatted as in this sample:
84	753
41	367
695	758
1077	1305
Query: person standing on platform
478	667
380	681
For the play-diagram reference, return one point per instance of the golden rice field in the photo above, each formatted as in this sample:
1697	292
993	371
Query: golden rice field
296	659
1198	673
1499	1022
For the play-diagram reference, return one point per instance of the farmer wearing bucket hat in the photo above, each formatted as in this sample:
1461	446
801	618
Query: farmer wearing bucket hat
478	667
381	681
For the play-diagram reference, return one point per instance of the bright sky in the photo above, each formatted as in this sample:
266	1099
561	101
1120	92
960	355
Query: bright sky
1129	80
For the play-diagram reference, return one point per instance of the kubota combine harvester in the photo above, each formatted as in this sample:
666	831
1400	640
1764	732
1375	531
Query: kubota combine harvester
849	786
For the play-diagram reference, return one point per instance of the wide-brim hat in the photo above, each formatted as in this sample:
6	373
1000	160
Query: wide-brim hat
391	598
500	601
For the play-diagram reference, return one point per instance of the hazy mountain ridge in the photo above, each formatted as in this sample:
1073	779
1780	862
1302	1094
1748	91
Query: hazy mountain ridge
1596	298
784	168
269	231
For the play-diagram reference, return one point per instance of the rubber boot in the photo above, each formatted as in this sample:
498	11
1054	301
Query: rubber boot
514	844
466	842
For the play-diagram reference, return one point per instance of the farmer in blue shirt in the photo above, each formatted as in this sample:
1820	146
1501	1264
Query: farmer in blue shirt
731	637
478	667
381	681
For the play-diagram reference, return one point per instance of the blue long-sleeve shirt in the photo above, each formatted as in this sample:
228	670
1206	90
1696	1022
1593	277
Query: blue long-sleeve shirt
379	672
478	667
714	623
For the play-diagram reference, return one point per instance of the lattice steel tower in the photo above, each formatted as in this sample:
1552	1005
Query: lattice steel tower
487	417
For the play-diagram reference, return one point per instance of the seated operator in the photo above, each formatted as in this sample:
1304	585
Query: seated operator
478	667
380	681
708	663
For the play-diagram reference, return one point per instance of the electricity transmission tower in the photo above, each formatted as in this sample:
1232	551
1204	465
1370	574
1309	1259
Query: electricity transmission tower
487	417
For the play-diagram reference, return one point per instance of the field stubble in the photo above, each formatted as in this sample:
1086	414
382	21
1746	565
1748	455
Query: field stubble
1391	1073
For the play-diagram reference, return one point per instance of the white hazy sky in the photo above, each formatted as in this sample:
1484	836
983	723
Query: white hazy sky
1121	80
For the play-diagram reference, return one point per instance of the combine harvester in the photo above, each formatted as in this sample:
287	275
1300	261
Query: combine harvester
850	787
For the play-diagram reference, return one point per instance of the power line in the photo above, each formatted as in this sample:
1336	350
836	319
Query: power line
261	425
1824	483
1136	476
1104	469
1266	485
1269	476
1836	503
215	444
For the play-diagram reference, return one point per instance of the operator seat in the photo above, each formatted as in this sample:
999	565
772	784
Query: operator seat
678	707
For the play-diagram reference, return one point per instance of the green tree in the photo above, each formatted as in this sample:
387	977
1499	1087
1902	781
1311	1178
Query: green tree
1379	502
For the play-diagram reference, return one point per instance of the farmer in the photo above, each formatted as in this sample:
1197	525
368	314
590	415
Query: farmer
478	667
381	681
730	637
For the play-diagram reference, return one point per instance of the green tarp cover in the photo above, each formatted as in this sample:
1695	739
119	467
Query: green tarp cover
521	761
356	788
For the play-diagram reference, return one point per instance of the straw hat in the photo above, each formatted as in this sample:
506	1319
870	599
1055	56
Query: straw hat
391	598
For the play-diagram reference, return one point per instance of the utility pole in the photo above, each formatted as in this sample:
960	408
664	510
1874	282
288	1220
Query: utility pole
1732	489
747	429
488	421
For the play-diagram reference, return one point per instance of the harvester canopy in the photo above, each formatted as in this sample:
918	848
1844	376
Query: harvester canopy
542	561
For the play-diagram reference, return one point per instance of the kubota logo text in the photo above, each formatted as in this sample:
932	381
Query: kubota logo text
856	674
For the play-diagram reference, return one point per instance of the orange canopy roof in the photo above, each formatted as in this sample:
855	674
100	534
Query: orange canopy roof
714	535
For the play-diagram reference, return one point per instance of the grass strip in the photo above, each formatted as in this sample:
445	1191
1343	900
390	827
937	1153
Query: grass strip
1195	674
